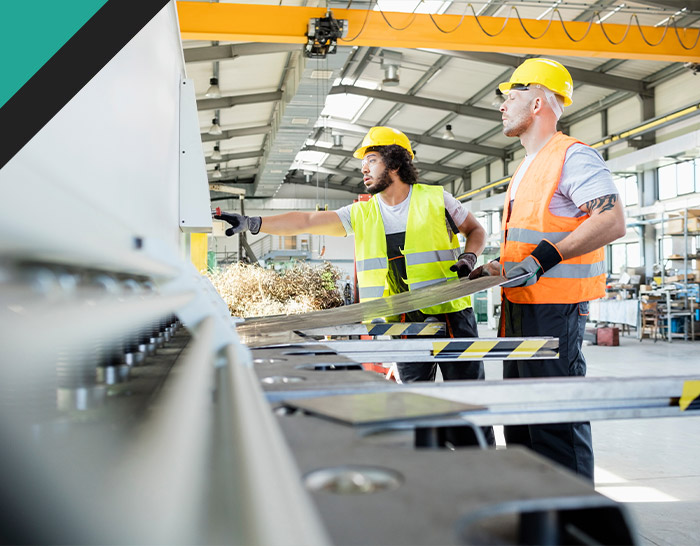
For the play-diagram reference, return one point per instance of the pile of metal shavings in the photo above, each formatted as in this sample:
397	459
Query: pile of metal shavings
251	291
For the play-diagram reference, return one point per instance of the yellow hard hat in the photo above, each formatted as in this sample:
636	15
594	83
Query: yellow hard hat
545	72
383	136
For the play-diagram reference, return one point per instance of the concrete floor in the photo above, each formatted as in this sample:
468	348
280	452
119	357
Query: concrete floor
651	465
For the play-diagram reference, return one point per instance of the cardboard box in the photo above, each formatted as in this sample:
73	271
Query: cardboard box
681	278
608	336
675	225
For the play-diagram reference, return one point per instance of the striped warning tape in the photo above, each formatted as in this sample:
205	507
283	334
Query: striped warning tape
406	329
690	398
507	349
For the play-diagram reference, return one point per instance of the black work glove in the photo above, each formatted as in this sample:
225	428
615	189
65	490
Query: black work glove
464	265
545	256
240	223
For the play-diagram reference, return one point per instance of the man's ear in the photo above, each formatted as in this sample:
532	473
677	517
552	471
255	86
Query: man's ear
537	104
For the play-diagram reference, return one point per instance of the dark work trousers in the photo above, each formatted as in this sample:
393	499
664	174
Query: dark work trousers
569	444
458	324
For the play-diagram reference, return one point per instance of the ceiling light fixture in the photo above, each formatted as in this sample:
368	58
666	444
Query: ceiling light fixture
337	140
391	62
498	99
448	134
215	129
213	92
216	156
217	172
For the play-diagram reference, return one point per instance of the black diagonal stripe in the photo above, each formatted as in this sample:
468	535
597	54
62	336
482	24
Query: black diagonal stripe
453	348
70	69
694	405
379	329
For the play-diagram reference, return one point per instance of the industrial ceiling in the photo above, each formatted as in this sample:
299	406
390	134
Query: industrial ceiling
288	119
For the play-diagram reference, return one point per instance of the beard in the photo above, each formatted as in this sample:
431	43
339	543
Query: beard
518	125
380	185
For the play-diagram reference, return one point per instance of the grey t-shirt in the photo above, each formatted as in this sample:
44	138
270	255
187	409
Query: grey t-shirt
585	177
395	217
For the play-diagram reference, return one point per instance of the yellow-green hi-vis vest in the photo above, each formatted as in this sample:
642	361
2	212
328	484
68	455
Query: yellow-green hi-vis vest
429	248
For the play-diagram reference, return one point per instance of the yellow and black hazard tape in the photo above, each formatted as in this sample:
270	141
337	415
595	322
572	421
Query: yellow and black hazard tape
405	329
690	398
506	349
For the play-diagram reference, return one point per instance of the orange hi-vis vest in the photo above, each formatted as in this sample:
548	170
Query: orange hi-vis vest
571	281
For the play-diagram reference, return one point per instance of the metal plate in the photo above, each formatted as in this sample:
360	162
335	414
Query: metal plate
359	312
380	407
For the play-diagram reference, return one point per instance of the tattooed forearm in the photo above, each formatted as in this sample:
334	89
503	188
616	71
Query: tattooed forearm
602	204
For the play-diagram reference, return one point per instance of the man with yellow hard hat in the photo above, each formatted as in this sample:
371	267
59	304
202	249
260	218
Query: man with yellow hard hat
560	210
405	239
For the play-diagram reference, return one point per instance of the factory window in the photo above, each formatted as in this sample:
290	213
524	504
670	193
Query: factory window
685	175
667	182
495	222
678	179
629	192
624	255
617	258
633	254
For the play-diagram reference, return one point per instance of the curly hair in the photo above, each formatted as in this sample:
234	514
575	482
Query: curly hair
397	157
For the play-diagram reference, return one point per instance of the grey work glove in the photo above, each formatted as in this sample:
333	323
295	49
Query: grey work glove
545	256
240	222
464	265
482	270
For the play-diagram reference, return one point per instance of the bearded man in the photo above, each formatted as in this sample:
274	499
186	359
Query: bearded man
405	239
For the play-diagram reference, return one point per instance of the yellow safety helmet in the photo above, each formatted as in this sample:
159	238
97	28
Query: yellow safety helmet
545	72
383	136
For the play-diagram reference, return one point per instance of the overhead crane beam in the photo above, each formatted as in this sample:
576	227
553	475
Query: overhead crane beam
288	24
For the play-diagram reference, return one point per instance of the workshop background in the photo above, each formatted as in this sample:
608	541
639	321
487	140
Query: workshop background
125	126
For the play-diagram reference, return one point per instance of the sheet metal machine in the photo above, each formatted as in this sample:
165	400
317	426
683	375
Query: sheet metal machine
133	410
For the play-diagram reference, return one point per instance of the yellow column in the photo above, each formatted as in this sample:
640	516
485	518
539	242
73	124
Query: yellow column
198	250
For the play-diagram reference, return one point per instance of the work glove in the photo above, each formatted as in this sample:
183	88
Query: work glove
240	222
545	256
482	270
464	265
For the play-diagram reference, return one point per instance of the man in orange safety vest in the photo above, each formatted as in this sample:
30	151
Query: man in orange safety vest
561	209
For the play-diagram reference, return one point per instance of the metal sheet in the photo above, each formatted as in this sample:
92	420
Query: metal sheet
381	407
415	350
534	401
359	312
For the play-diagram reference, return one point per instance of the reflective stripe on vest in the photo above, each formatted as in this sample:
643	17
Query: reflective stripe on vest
371	292
430	256
532	237
371	263
429	250
530	221
569	271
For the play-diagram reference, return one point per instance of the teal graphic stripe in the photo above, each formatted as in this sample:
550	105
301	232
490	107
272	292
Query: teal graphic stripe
31	32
